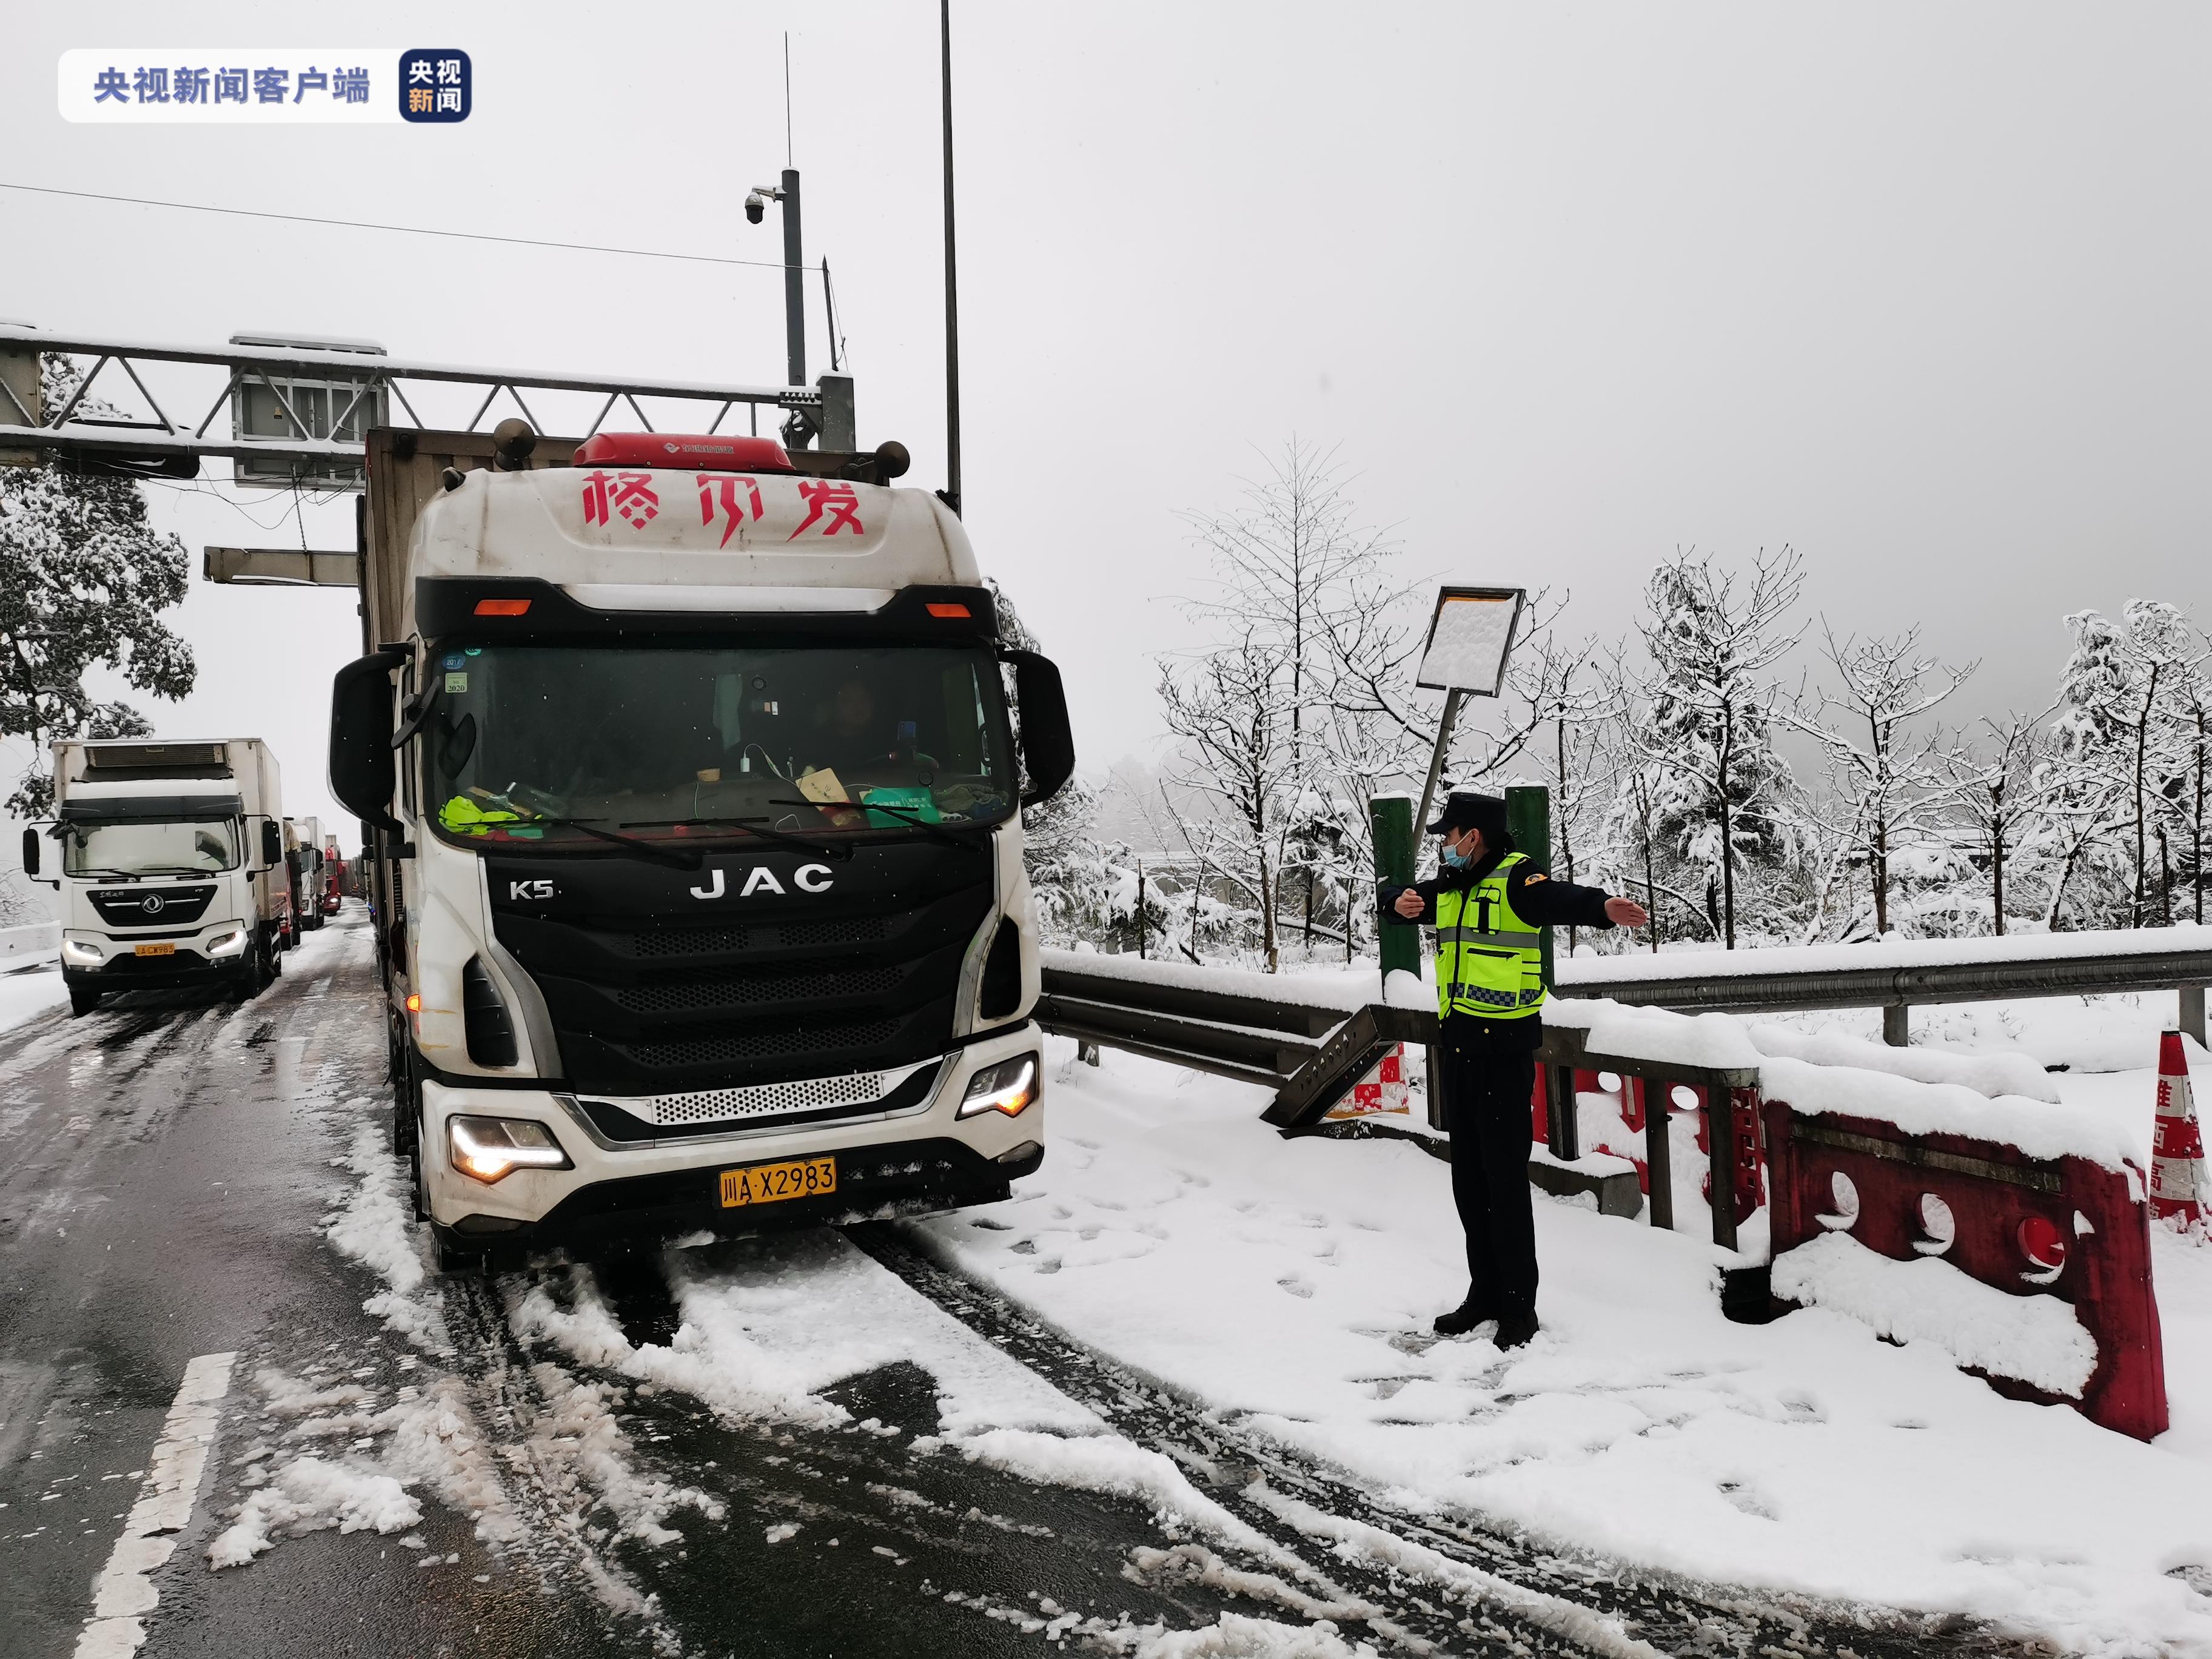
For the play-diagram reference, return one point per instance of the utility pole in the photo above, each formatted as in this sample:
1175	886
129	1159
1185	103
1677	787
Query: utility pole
952	491
795	282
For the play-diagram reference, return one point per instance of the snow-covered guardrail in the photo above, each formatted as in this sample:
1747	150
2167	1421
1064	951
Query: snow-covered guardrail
1953	1197
35	939
1897	973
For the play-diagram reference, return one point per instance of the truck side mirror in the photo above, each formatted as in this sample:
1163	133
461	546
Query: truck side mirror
363	773
272	842
31	850
1048	745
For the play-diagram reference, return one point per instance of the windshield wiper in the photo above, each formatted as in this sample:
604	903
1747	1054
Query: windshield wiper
936	831
104	869
751	826
638	845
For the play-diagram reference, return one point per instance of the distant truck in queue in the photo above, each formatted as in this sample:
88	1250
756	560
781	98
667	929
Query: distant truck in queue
693	791
304	854
334	876
169	859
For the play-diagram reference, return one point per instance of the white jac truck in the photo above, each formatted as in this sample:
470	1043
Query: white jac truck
169	858
692	792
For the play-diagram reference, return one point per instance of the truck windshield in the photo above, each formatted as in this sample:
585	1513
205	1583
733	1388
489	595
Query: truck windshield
190	846
528	743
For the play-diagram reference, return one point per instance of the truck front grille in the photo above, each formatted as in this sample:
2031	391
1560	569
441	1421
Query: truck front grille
760	985
756	1043
151	907
648	998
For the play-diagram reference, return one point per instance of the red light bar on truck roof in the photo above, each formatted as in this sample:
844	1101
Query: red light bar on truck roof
675	449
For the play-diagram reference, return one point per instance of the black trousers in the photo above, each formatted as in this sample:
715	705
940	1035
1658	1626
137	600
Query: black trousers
1487	1110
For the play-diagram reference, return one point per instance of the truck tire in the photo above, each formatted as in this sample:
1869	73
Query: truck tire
452	1258
406	1104
83	998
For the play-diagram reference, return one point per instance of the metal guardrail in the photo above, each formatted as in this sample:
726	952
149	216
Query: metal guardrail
1311	1052
2185	965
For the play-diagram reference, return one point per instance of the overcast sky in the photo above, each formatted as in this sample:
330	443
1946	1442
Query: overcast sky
1917	289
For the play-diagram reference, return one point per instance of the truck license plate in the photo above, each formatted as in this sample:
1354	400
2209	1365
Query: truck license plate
166	948
770	1184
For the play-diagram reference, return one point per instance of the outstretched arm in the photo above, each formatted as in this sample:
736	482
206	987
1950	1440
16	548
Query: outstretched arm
1538	898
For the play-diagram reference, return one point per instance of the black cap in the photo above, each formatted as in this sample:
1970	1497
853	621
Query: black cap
1464	809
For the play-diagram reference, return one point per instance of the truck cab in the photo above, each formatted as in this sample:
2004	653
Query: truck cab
168	859
303	856
698	861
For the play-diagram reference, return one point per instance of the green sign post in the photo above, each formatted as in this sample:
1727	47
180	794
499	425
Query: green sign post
1396	860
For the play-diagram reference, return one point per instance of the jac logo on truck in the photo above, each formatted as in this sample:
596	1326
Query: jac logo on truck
540	889
808	878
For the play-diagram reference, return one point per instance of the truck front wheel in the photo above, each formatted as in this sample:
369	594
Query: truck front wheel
83	998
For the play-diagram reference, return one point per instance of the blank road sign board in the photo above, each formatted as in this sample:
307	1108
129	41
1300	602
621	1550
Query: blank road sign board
1468	638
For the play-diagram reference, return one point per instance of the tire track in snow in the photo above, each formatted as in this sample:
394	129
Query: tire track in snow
1505	1587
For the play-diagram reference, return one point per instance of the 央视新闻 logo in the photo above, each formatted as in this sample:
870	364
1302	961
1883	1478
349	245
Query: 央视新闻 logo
434	84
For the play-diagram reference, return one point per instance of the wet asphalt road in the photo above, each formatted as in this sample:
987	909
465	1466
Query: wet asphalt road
168	1167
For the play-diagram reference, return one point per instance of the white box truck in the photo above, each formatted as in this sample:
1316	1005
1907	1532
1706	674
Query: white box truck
169	858
692	790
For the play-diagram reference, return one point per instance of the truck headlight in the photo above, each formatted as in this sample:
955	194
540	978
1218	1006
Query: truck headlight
490	1149
83	955
227	944
1011	1087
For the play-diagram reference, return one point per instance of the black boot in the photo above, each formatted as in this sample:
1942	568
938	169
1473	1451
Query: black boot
1516	1328
1462	1319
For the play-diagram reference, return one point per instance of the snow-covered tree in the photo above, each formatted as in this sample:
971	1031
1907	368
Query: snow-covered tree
83	580
1229	707
1699	725
1998	791
1886	789
1267	782
1067	868
2128	693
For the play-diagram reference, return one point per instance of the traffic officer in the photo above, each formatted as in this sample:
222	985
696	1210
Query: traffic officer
1488	904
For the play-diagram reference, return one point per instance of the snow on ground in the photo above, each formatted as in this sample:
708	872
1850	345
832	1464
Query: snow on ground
1290	1284
27	992
754	1344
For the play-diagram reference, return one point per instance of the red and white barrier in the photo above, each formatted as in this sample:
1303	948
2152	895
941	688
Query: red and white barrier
1384	1089
2178	1190
2048	1252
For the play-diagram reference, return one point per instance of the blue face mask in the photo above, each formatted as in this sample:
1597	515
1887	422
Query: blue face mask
1454	859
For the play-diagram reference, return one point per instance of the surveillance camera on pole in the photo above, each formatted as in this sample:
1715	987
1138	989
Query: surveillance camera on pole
1471	634
799	430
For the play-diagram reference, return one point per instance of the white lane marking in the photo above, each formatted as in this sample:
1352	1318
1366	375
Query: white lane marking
123	1593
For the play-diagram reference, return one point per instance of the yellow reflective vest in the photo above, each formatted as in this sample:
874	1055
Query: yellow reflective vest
1490	963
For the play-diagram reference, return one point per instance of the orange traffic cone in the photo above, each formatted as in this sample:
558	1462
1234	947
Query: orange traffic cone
2178	1188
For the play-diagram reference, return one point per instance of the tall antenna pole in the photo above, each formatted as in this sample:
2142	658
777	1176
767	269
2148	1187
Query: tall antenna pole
797	429
952	491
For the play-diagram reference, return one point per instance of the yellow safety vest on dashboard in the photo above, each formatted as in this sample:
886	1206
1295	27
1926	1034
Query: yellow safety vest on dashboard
1490	963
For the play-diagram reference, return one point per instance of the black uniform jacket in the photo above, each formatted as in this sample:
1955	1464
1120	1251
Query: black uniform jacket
1537	899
